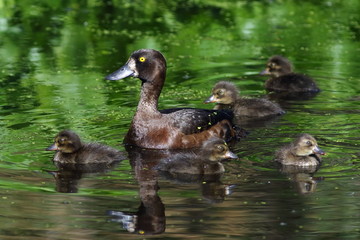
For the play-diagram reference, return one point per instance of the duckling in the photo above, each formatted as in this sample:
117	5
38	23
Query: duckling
70	150
283	79
202	161
226	95
304	151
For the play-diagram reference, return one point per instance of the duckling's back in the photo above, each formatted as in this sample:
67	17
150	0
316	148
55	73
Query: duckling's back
292	82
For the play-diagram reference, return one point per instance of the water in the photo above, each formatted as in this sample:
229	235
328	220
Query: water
54	57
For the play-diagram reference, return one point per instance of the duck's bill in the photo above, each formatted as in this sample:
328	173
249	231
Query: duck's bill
211	99
317	150
265	72
52	148
123	72
230	155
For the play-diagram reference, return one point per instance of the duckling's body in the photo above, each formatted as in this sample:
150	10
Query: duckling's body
202	161
226	95
171	128
283	79
70	150
303	152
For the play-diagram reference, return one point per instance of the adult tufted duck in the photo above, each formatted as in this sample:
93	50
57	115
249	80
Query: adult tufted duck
171	128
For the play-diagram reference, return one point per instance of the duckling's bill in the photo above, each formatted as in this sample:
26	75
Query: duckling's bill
52	148
211	99
230	155
317	150
266	71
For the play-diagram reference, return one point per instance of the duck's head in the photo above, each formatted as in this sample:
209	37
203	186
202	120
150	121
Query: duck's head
66	142
145	64
224	93
277	66
217	149
306	145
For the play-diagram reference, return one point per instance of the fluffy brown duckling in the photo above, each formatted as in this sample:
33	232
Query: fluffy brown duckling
303	151
70	150
202	161
227	96
283	79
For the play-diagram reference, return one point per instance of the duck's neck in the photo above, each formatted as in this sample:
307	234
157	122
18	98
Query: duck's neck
150	93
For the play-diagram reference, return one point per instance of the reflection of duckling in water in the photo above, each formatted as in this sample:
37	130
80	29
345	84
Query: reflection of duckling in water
202	161
303	177
68	174
226	95
71	150
303	151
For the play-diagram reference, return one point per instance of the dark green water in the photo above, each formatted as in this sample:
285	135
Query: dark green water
54	56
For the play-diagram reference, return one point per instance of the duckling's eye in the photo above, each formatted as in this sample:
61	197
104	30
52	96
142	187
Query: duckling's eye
220	92
308	143
220	148
142	59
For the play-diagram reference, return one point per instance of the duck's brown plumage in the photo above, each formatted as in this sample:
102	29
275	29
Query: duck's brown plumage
172	128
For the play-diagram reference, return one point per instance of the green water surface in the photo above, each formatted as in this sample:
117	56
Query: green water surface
55	55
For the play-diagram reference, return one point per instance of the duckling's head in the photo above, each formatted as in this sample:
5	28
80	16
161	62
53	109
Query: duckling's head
306	145
217	149
277	66
224	93
66	142
145	64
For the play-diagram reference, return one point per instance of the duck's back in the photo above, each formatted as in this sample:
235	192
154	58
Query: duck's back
191	120
292	82
256	107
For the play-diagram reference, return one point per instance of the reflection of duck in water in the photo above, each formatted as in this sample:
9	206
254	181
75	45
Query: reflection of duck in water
303	151
203	161
149	218
74	159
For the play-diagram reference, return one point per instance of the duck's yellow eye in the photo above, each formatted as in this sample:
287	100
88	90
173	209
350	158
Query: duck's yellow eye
142	59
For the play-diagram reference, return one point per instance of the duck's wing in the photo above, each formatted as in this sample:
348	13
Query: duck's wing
193	120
